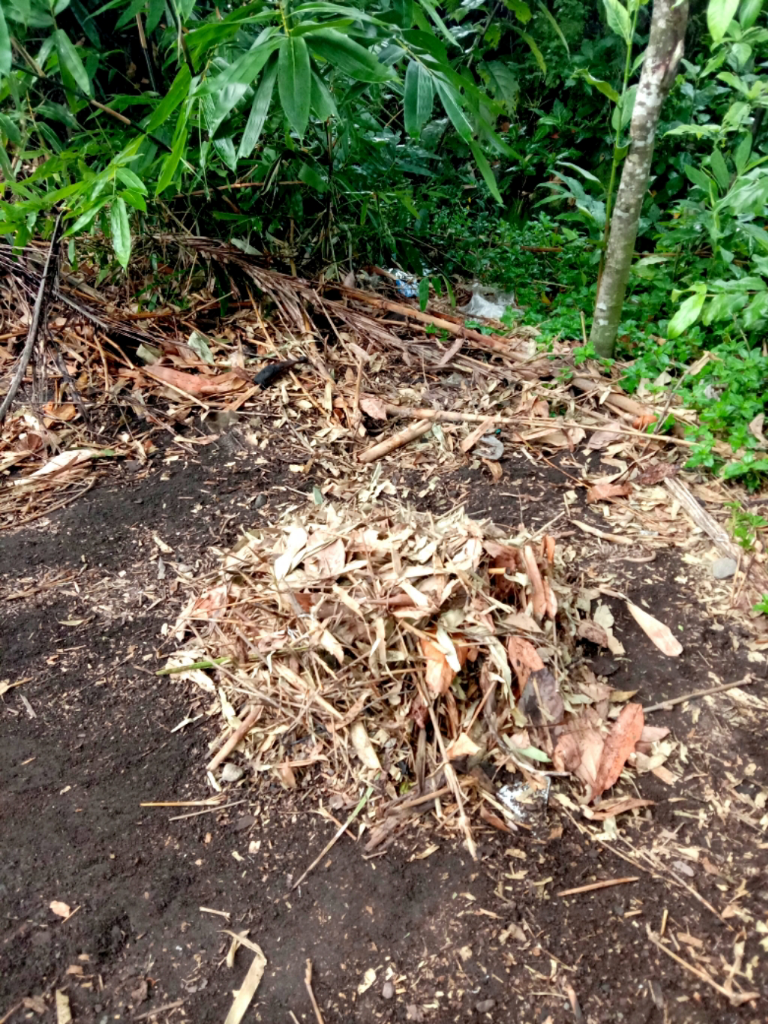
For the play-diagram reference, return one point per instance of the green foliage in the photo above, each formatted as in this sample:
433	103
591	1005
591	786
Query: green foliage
475	139
745	525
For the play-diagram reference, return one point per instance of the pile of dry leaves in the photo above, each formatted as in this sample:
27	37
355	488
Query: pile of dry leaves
420	655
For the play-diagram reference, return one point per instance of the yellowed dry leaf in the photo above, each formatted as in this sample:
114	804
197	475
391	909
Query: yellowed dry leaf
195	383
373	407
63	1011
247	989
600	492
611	808
363	747
523	658
471	439
659	634
439	674
620	743
495	467
462	746
590	630
539	597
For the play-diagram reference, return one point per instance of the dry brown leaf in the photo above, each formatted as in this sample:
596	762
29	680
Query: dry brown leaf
60	909
645	419
548	545
524	658
540	701
659	634
756	429
494	819
610	808
287	776
539	597
602	438
363	746
519	620
211	604
472	438
495	467
439	674
63	1011
620	743
462	746
549	599
580	751
59	413
600	492
655	472
195	383
590	630
374	407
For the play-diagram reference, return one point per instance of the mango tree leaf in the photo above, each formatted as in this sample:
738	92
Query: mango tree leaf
178	91
5	46
720	14
418	98
348	56
485	169
688	313
70	63
259	111
121	231
294	82
618	19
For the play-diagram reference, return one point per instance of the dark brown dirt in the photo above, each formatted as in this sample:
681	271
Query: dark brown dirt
90	735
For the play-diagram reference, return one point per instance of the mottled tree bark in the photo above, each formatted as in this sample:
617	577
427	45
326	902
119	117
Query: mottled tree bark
665	48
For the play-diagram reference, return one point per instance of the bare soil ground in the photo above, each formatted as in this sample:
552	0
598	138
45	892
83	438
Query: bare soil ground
90	734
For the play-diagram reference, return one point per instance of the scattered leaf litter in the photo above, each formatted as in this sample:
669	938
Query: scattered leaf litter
417	654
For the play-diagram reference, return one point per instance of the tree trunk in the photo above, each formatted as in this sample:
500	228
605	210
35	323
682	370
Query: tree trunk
665	48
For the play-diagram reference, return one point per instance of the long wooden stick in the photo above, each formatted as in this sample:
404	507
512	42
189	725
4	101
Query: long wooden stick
736	998
308	983
402	437
442	416
240	732
37	315
664	704
483	340
328	846
599	885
